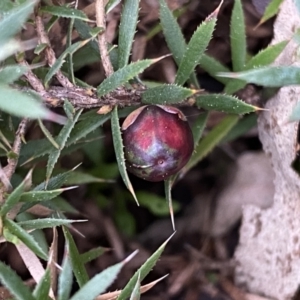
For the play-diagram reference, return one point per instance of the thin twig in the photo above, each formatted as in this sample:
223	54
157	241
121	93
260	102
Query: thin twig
50	54
12	162
32	78
100	20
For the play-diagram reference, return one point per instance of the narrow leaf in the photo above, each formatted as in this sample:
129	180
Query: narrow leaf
269	76
92	254
14	283
61	140
224	103
242	126
37	148
65	12
198	126
143	271
61	60
212	67
31	108
42	289
238	37
38	196
270	11
65	280
118	146
12	199
261	59
266	56
48	134
9	74
11	22
26	238
122	76
129	18
99	283
166	94
194	50
172	32
210	141
111	4
77	265
136	294
168	188
46	223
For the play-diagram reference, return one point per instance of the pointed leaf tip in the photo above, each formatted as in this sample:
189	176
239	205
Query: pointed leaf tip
215	13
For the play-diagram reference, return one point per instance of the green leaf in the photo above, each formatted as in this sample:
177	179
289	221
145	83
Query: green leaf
45	223
156	204
198	127
143	271
111	4
269	76
266	56
194	50
65	12
168	193
12	199
166	94
14	283
61	60
241	127
65	280
210	141
25	237
262	58
38	196
122	76
11	22
48	134
136	294
23	105
92	254
99	283
78	177
55	182
270	11
77	264
118	146
129	18
172	32
9	74
212	67
37	148
62	138
224	103
40	48
238	37
42	289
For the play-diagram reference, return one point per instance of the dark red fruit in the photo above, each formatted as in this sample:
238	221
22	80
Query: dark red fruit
158	142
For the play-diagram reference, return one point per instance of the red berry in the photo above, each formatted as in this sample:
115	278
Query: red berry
158	142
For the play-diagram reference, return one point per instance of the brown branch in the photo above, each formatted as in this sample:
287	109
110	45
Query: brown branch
50	54
32	78
87	98
100	20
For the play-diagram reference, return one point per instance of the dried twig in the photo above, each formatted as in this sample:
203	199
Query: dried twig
50	54
13	161
100	20
32	78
